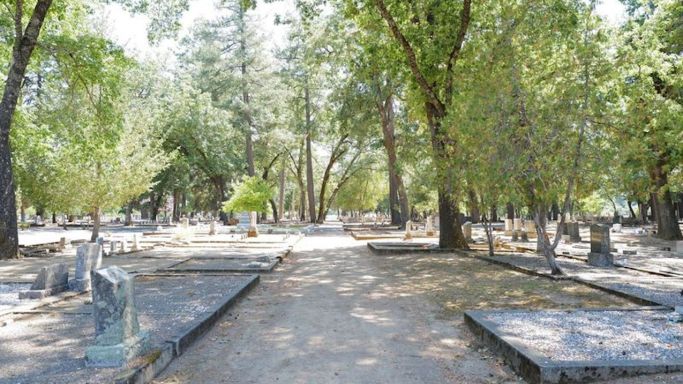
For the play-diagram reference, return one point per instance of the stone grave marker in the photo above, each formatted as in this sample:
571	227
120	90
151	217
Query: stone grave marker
136	243
467	231
88	258
429	229
50	281
508	227
409	234
123	247
530	229
212	228
600	255
113	246
118	337
184	223
517	225
616	228
253	228
573	230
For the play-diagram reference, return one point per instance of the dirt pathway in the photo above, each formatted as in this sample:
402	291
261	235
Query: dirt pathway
331	314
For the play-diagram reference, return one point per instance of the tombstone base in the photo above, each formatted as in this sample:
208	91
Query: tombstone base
41	293
430	233
566	239
508	233
575	239
252	232
600	259
80	285
114	356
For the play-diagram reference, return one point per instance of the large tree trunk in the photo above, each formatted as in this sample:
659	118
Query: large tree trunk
309	160
474	206
450	231
96	225
129	214
510	211
663	207
281	193
25	42
398	199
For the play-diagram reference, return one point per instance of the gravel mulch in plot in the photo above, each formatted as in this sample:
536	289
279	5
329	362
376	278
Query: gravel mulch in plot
48	346
593	335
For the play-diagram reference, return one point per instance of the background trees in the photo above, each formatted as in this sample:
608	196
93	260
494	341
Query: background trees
402	107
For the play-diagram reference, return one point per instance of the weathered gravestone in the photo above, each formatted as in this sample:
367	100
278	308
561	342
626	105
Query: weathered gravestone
253	228
118	337
88	258
51	280
409	228
136	243
517	225
123	247
467	231
184	223
616	228
212	228
508	227
429	229
600	255
113	247
530	229
573	231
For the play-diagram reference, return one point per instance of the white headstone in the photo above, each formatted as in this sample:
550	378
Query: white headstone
136	243
517	225
409	230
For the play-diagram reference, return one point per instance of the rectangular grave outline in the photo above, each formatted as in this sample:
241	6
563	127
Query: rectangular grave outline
173	267
390	248
535	368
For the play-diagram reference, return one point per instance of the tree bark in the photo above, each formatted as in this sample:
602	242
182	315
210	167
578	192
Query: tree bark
474	206
510	211
663	207
129	214
281	193
96	225
309	159
398	199
24	44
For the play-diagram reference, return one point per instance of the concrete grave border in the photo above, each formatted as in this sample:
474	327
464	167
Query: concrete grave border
173	267
537	369
403	248
158	360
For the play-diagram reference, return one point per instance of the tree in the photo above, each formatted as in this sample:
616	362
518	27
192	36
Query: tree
252	195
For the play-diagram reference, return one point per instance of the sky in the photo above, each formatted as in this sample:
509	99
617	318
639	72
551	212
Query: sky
130	31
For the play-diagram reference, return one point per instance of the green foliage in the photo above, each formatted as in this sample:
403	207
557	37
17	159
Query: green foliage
251	195
363	192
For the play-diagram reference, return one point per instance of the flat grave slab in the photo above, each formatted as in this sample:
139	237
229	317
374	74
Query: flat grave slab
375	235
224	264
398	248
578	346
47	345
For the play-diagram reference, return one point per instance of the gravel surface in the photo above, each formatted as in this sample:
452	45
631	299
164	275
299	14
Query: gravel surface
9	295
594	335
48	346
659	289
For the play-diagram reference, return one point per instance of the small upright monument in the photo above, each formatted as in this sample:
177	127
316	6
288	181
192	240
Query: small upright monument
600	255
409	228
253	228
118	337
88	258
429	228
51	280
467	232
212	228
573	231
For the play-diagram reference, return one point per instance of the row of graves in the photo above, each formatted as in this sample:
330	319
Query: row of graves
578	345
120	309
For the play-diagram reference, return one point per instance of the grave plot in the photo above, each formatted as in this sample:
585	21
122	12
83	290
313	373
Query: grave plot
226	264
376	235
48	344
398	248
579	346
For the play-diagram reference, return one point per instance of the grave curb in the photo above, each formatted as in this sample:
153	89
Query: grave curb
377	248
631	297
177	345
536	369
180	342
